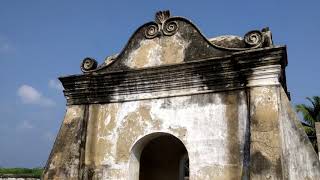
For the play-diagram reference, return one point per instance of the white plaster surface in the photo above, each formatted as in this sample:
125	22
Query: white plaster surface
205	125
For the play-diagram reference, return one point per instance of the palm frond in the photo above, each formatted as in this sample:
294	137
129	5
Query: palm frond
311	114
316	104
310	131
307	113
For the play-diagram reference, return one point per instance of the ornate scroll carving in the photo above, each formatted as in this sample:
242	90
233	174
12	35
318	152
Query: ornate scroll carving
254	38
251	40
151	31
170	28
88	64
163	25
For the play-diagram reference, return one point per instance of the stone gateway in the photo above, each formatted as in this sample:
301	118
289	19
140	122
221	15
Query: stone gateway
174	105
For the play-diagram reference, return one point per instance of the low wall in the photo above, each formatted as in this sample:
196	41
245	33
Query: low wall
18	177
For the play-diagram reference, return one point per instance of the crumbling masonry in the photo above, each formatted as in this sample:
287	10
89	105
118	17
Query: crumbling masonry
176	105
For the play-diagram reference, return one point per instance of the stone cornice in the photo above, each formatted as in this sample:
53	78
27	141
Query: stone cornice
197	76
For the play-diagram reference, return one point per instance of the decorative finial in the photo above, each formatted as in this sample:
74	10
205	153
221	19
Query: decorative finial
161	16
163	25
88	64
254	39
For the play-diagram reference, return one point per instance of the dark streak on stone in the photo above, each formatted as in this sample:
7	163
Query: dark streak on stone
202	100
279	169
232	101
246	151
259	163
82	148
166	103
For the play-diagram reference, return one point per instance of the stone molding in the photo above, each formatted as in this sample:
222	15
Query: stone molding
264	76
253	68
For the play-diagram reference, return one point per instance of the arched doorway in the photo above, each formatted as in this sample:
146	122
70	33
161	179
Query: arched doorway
159	156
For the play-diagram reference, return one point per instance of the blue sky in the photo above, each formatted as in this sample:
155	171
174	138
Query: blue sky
42	40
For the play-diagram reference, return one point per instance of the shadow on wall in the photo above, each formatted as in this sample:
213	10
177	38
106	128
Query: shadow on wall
159	156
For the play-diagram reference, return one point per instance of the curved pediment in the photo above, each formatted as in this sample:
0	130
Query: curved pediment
173	40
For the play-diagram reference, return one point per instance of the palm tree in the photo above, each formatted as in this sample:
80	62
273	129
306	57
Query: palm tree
311	114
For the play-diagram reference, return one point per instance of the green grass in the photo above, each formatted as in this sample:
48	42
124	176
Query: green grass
36	172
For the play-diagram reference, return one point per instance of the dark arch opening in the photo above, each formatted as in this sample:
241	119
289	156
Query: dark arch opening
164	157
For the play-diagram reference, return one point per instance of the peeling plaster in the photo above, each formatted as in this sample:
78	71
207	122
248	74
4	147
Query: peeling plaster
155	52
186	117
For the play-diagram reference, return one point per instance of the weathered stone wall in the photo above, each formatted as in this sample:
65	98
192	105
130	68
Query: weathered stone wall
211	126
65	159
265	147
248	134
299	159
224	100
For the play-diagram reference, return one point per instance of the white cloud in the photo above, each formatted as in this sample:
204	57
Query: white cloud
30	95
5	46
25	125
54	84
